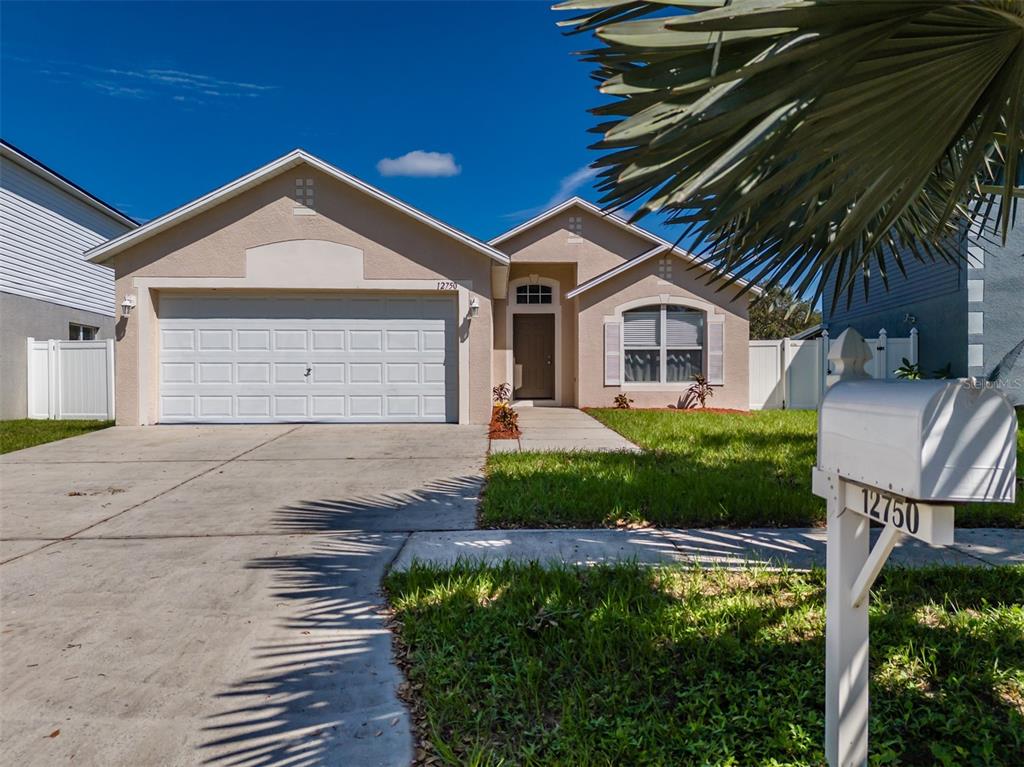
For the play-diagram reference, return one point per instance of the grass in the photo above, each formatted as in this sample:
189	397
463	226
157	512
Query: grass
697	470
625	665
17	435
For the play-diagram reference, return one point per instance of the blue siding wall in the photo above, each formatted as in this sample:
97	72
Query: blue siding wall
932	298
1002	307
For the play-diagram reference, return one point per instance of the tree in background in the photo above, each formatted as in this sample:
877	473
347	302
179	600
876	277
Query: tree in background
802	139
779	314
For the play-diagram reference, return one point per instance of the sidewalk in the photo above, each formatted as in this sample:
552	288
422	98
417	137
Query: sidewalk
798	548
561	428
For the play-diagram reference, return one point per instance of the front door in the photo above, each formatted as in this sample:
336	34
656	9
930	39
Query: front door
533	347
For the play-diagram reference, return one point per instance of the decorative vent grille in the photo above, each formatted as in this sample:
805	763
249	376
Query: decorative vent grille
304	192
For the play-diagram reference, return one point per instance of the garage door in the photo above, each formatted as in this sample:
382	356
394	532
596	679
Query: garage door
356	358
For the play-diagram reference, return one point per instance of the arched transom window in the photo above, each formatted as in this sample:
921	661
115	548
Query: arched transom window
533	294
662	344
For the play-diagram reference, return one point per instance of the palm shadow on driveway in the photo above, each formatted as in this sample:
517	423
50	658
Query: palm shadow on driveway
325	688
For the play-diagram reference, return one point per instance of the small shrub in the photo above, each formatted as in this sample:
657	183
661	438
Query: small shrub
622	402
944	373
502	393
506	418
909	371
701	390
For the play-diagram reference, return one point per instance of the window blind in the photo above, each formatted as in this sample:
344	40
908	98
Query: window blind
683	328
641	328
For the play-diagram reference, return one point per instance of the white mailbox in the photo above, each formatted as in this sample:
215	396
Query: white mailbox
926	440
893	453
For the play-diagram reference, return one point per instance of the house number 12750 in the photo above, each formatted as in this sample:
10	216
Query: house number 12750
446	285
891	510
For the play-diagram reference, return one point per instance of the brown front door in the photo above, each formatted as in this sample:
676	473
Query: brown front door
533	347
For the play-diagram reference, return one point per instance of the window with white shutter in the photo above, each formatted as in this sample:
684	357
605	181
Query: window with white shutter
716	350
612	353
662	344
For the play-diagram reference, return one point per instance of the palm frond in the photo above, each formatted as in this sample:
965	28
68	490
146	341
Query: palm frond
799	140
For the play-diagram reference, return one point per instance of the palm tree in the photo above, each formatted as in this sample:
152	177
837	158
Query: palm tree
801	139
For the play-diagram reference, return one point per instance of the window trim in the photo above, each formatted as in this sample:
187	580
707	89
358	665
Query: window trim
662	384
543	292
79	326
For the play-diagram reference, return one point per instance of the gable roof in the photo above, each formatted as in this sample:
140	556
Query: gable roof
11	152
625	266
661	245
258	176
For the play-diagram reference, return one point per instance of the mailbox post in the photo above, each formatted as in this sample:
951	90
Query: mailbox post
897	454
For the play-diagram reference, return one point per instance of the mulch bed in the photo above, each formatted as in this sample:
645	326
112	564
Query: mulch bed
496	432
726	410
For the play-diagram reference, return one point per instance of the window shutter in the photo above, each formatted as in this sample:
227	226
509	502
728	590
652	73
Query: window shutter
612	354
716	350
683	328
640	328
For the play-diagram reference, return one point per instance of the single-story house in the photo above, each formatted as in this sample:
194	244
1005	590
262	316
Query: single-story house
301	293
48	290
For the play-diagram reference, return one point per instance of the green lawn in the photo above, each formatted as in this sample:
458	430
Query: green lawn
17	435
632	666
697	470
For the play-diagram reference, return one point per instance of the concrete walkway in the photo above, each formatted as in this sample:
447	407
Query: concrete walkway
798	548
561	428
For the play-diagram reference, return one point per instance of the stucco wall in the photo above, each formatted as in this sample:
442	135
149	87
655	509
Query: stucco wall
601	246
643	282
21	318
214	244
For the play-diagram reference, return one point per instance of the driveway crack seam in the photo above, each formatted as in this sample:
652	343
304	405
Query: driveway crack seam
152	498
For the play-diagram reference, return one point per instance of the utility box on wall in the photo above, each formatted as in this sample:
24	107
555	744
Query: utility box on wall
936	441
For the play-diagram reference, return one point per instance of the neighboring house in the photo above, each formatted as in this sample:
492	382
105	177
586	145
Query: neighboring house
48	290
969	316
300	293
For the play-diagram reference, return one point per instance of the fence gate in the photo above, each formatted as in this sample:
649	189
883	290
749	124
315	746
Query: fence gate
787	373
71	379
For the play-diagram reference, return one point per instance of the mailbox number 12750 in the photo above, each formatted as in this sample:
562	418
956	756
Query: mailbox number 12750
891	510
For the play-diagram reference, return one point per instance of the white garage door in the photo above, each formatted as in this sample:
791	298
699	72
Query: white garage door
308	358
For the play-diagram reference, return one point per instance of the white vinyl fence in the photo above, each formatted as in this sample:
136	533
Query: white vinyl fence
785	373
71	379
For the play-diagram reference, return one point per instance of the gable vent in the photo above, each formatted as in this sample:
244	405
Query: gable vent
304	196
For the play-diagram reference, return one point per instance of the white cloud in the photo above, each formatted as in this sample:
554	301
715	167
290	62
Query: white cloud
421	164
142	83
567	187
570	184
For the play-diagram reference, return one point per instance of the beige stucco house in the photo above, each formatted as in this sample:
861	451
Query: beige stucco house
300	293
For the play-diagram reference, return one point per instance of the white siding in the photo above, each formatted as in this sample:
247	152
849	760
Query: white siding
44	232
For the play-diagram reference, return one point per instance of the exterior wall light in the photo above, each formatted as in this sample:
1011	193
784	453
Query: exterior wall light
474	307
127	305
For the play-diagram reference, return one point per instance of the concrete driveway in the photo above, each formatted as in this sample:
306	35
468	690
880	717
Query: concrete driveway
210	595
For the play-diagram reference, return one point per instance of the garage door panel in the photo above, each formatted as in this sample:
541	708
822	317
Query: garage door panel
289	372
216	340
252	372
334	359
365	340
178	340
328	373
328	340
328	407
402	372
288	406
366	406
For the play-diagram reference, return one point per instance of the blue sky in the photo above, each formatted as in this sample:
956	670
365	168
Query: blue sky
150	105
